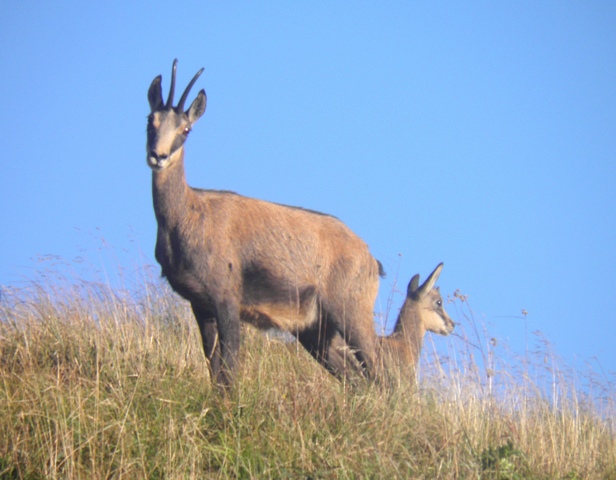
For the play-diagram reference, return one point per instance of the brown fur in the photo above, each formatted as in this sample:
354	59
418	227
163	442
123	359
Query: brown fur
237	258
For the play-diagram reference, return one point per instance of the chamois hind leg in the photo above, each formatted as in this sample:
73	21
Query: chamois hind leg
316	341
354	322
342	355
335	358
315	344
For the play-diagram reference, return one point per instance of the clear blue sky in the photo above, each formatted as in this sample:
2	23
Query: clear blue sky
480	134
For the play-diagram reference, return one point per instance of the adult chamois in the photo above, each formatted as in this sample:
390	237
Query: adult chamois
422	311
237	258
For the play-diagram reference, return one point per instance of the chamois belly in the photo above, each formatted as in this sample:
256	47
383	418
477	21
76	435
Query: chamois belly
296	314
270	300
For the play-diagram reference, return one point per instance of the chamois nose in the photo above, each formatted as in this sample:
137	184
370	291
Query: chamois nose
156	159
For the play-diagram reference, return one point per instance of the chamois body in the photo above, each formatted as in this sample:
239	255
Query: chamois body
422	311
238	258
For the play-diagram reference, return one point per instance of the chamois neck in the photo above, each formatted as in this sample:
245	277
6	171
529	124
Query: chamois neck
409	329
170	192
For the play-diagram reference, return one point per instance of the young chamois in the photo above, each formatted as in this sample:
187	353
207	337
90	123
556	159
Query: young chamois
421	311
237	258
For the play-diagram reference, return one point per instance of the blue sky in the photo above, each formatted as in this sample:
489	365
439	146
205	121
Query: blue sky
480	134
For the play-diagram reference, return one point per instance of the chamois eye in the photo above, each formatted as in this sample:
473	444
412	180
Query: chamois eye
439	303
186	131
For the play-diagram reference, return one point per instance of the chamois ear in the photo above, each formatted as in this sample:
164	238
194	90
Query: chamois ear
155	94
431	280
413	285
415	291
197	108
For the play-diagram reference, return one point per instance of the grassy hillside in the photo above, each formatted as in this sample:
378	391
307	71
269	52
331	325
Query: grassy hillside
96	384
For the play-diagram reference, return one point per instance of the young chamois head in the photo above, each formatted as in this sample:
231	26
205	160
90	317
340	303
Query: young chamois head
169	126
427	302
422	311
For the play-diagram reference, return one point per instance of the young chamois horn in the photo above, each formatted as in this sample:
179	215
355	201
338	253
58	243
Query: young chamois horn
237	258
421	311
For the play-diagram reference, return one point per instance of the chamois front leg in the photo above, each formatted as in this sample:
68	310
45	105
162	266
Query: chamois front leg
209	336
228	321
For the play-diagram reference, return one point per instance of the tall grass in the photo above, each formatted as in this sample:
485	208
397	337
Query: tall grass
103	383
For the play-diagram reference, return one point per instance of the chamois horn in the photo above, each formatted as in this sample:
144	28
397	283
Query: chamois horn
169	105
180	107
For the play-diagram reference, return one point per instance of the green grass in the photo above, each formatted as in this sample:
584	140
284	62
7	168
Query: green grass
96	383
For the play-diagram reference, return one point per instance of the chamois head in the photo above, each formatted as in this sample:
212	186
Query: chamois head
169	126
429	303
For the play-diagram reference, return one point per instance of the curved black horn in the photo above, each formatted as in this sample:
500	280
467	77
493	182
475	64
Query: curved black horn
180	107
172	88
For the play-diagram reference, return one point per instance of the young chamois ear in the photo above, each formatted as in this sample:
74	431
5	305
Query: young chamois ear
241	259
